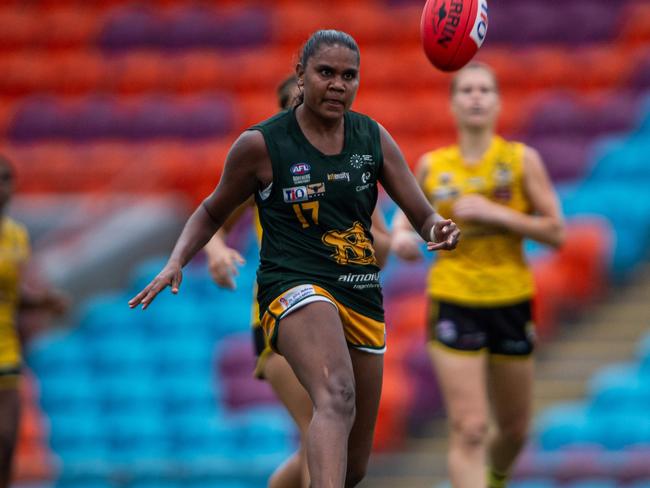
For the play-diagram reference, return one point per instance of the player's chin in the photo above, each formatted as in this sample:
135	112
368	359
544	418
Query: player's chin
333	109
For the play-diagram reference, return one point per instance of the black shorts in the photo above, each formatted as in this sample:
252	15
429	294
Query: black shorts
507	330
259	341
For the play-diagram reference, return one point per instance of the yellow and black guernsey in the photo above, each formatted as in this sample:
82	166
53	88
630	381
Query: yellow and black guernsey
316	214
14	252
488	268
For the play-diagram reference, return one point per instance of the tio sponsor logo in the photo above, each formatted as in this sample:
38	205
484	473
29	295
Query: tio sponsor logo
295	194
366	176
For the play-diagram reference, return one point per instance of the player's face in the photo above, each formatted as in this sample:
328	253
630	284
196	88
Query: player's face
475	103
330	80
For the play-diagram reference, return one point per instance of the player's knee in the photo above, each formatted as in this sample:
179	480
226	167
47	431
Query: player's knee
339	399
470	432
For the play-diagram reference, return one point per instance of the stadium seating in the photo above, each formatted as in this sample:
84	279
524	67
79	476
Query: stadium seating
111	97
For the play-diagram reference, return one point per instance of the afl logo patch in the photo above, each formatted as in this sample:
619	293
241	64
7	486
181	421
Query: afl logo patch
300	169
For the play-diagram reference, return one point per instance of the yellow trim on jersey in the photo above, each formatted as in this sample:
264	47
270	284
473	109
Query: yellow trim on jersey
488	267
361	332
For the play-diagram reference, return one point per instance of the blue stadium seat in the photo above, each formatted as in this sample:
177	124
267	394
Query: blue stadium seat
56	353
136	436
593	483
187	355
74	393
107	315
199	436
618	388
126	392
78	438
189	393
265	430
628	221
533	483
563	425
643	353
82	482
619	430
639	484
119	355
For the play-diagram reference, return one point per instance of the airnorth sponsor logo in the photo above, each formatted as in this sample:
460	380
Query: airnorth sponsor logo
361	281
359	278
343	176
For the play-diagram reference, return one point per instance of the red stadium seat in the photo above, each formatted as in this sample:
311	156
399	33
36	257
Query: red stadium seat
68	27
636	26
19	27
141	72
197	71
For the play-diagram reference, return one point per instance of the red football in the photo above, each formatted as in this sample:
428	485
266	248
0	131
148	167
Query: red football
452	31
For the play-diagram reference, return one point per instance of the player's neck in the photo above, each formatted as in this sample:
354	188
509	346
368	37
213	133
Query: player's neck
474	144
312	122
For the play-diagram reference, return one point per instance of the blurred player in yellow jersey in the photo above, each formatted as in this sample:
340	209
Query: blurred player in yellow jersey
14	295
223	262
480	327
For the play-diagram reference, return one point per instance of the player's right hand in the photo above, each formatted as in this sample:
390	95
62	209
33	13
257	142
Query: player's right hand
223	266
171	275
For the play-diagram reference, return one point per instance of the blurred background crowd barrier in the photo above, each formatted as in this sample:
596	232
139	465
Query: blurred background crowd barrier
118	116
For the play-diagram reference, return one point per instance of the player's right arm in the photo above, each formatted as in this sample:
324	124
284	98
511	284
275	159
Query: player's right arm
246	169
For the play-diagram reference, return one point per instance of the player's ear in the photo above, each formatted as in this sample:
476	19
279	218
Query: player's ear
300	73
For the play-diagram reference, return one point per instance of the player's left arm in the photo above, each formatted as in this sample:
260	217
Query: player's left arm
403	188
544	223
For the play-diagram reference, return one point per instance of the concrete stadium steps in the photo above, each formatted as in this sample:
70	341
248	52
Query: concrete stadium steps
606	333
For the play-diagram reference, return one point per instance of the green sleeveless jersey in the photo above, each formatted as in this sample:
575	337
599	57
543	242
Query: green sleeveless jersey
316	215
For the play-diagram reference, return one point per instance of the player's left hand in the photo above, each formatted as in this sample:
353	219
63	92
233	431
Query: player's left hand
445	235
477	209
171	275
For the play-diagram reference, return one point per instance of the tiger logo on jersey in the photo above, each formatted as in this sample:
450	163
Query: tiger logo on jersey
352	246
